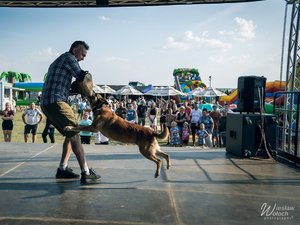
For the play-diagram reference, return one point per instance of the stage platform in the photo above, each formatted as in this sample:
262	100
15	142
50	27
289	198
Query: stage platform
207	187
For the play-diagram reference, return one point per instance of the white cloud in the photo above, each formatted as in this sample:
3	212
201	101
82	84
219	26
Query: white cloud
226	32
188	40
104	18
115	59
217	59
46	54
171	43
246	28
242	59
205	33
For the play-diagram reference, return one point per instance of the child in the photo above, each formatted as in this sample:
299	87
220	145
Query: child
174	134
202	135
185	133
85	135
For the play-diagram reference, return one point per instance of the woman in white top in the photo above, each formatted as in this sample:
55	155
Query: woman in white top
196	115
153	116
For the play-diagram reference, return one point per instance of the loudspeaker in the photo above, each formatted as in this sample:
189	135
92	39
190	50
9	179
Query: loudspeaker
251	90
244	136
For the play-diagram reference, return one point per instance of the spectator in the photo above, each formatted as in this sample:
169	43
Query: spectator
81	107
7	123
163	114
142	112
227	108
209	125
188	111
173	106
121	110
48	130
215	115
31	118
180	119
131	114
85	136
134	105
153	116
202	135
222	128
185	133
196	115
169	119
174	134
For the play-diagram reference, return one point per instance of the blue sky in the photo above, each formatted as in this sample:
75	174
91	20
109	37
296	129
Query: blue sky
145	44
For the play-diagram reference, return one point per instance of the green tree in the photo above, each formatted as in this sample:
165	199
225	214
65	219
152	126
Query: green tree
12	76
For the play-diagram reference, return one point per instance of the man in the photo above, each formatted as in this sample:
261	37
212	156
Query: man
142	112
31	118
54	105
121	111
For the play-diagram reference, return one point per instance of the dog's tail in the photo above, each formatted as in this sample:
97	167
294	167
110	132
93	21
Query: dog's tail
163	136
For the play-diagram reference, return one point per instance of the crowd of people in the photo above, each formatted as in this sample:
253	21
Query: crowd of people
187	123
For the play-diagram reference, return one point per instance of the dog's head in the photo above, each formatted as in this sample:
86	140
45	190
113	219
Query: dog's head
84	87
97	101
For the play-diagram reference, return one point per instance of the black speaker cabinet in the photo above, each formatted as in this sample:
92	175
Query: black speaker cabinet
243	134
250	90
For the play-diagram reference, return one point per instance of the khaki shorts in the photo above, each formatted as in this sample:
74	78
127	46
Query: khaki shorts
61	114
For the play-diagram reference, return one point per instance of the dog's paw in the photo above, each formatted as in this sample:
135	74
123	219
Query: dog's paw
68	128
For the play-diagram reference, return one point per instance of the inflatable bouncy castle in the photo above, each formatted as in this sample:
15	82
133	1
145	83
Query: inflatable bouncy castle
271	88
187	79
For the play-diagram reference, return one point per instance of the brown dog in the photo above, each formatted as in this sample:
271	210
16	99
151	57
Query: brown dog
114	127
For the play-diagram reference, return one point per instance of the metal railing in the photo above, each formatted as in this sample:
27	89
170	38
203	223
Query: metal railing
287	131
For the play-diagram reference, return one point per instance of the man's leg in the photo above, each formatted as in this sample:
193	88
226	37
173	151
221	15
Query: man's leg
61	115
66	153
33	132
87	175
76	146
33	138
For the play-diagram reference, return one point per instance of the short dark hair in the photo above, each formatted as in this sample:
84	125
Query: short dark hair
76	44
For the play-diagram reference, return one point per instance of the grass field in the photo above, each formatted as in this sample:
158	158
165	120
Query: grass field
18	131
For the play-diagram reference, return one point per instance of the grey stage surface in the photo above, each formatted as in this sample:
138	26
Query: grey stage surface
202	187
